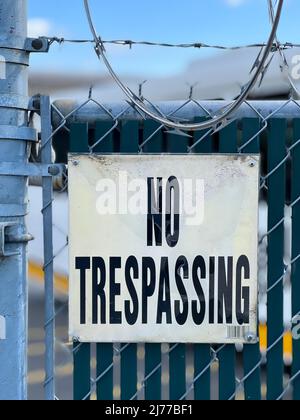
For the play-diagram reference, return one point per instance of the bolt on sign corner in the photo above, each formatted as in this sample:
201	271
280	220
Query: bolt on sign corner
163	248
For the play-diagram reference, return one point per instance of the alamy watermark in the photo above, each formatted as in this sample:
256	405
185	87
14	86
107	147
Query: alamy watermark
2	328
296	328
155	196
2	68
295	72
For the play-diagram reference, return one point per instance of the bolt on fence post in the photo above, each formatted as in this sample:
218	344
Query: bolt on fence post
13	199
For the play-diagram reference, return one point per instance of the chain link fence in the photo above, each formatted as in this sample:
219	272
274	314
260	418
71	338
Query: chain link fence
268	370
128	371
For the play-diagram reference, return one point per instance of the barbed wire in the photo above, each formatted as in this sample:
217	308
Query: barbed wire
259	68
197	45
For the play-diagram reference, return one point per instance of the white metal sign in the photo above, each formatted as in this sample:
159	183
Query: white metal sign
163	248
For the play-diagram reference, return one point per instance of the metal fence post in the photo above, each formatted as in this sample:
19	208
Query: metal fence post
14	138
46	155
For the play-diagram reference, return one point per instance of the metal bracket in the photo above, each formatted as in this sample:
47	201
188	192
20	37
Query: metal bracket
13	210
14	101
37	45
4	228
8	236
29	169
18	133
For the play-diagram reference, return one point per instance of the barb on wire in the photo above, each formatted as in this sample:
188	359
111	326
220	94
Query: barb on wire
196	45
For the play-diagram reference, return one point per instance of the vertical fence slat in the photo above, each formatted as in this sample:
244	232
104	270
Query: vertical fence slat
228	139
177	356
251	354
227	356
177	143
227	381
202	360
104	351
177	361
82	371
202	352
79	138
202	140
81	352
129	137
105	382
107	144
153	372
128	372
296	252
153	359
276	199
153	134
129	376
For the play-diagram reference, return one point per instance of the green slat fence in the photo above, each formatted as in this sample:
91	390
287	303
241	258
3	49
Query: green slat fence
228	143
202	352
251	356
249	375
276	200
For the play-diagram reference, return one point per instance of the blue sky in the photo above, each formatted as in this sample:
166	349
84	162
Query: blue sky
227	22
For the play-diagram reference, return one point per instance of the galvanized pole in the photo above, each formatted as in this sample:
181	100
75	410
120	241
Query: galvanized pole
14	139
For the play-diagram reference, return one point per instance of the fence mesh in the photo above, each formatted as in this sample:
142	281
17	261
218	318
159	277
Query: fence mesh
270	369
